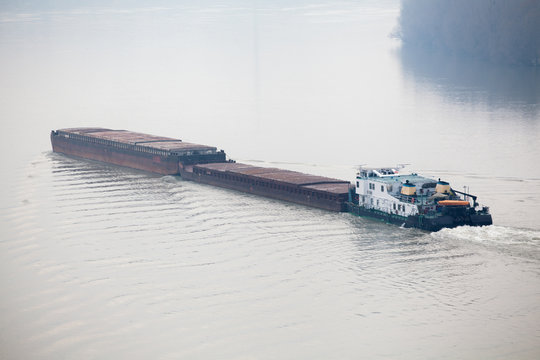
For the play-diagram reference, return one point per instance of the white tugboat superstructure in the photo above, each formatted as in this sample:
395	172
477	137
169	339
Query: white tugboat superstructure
412	200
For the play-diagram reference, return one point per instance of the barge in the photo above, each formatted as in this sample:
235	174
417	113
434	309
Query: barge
380	193
200	163
152	153
310	190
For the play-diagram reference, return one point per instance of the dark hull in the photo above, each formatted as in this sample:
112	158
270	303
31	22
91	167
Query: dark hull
148	162
445	220
308	198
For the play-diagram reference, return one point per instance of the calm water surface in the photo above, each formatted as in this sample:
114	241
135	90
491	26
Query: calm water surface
98	261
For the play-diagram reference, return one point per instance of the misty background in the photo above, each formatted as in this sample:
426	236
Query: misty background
102	261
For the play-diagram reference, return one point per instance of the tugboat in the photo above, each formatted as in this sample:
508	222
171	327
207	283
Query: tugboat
413	201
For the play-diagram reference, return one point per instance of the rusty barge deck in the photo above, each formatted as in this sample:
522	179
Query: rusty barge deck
200	163
310	190
152	153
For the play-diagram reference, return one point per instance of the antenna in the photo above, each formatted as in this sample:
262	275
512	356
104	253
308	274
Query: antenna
360	167
401	166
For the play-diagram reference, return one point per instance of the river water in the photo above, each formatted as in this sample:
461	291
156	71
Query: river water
99	261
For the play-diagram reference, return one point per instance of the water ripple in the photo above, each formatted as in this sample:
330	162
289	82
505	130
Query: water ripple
102	252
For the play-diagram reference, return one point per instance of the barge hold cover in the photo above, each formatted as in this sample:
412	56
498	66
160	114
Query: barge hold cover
311	190
136	150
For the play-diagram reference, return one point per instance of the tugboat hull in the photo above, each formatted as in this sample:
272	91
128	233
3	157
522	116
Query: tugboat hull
423	222
481	220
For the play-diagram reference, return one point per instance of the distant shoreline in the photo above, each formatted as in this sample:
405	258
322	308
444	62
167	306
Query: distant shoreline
496	32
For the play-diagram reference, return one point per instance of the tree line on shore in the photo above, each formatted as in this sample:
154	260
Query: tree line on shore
500	31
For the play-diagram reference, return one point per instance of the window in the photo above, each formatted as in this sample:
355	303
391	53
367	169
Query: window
357	184
382	188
